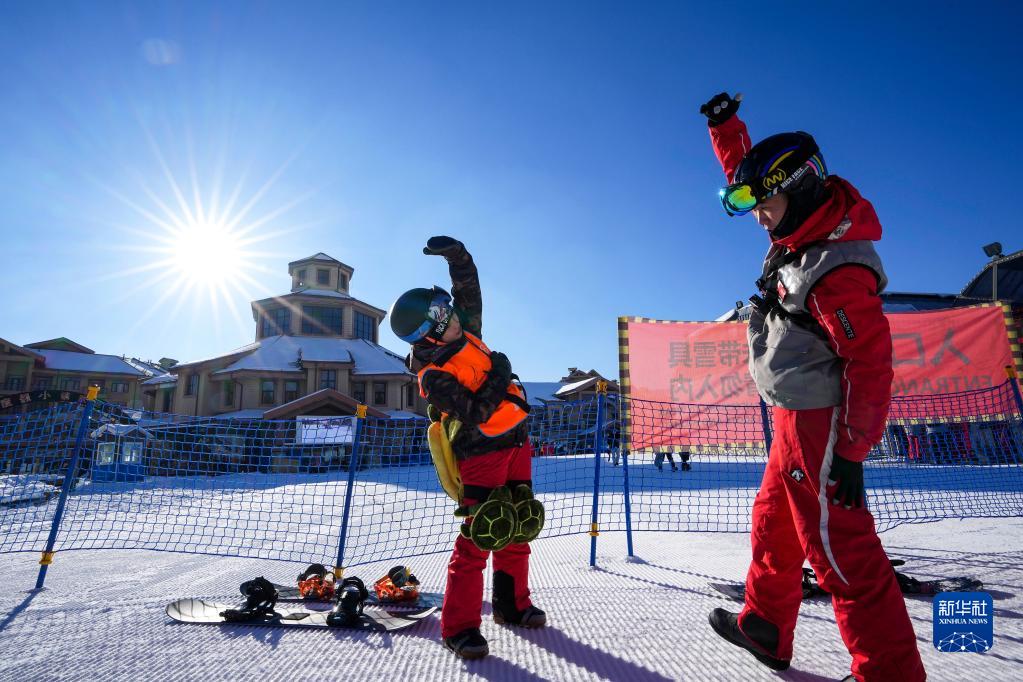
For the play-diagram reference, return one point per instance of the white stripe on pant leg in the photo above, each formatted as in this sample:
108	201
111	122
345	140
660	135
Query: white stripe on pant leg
822	495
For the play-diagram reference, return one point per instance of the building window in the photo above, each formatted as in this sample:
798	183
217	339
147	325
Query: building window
192	384
301	276
41	383
321	320
342	281
131	452
379	393
328	378
266	391
70	384
105	453
359	392
365	327
228	393
290	391
118	386
15	383
322	276
274	322
167	393
410	395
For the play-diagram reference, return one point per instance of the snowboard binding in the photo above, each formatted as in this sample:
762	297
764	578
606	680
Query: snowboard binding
316	582
399	585
260	600
350	597
493	522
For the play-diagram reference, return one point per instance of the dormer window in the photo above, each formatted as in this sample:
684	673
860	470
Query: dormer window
301	276
342	282
322	276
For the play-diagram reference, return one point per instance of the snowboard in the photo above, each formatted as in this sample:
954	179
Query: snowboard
373	619
908	585
426	599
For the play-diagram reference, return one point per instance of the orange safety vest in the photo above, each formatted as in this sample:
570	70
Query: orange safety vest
470	366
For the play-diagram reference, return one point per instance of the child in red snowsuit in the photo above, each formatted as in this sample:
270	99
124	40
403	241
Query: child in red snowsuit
821	355
461	378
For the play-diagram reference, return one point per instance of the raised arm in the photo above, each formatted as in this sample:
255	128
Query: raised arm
728	133
465	281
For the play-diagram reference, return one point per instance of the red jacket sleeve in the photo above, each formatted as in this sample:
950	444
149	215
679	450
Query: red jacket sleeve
846	304
731	142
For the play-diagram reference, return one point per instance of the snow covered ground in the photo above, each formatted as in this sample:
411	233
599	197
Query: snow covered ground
101	616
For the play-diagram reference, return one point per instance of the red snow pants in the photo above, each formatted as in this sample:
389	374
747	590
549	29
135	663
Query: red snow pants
793	520
463	598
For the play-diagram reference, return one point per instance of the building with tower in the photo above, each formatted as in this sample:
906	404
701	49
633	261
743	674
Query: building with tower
315	352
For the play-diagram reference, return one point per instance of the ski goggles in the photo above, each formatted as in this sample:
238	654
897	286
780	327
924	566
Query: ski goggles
738	199
438	318
742	197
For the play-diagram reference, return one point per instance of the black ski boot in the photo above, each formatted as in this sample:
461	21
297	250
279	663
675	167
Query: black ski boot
468	644
348	602
759	637
503	602
260	599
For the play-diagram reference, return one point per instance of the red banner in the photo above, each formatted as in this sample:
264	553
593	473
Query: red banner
705	363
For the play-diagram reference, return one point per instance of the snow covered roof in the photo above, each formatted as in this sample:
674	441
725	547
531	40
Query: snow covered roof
318	257
60	343
309	291
241	414
403	414
576	386
540	392
148	369
237	351
87	362
164	379
281	354
120	430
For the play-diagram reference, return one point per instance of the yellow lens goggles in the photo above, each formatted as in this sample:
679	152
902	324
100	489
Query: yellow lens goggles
738	199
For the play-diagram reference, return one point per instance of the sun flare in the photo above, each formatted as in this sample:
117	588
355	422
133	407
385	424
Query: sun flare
208	254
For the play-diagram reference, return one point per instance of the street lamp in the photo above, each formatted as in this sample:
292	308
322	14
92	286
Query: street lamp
994	252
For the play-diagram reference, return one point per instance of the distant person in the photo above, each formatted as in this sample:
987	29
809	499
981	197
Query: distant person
461	378
821	355
661	455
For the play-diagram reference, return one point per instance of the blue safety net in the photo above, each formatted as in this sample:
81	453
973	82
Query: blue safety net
305	489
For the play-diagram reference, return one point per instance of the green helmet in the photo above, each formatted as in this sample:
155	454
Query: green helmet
421	314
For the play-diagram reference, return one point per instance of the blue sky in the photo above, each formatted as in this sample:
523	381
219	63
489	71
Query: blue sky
560	141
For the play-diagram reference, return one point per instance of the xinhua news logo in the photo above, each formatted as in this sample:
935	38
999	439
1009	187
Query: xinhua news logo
964	622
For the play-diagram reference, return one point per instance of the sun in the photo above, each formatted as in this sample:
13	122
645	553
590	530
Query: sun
207	254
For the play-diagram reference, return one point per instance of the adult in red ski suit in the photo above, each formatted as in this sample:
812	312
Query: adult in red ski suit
821	355
459	376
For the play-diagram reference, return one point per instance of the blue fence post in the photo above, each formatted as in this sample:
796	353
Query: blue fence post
1010	372
625	479
765	421
353	464
65	490
598	447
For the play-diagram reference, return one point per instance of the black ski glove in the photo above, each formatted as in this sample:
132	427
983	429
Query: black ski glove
500	366
720	108
849	478
444	246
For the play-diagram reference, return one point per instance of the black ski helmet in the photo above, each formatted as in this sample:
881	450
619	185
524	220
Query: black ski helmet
421	313
786	162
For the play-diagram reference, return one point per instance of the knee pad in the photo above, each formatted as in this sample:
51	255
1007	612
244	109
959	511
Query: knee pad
529	514
493	522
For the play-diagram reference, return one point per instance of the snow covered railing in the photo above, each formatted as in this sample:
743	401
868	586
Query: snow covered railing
332	491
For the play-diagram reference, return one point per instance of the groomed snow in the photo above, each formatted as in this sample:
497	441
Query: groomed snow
101	616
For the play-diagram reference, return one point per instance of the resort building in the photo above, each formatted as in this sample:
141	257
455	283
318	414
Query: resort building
315	352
